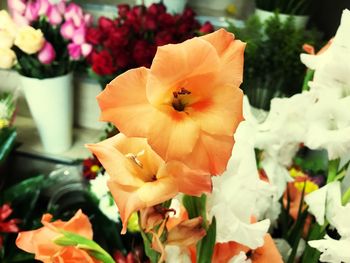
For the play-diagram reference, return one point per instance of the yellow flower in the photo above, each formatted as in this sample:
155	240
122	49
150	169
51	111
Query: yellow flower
6	39
310	186
8	58
29	40
3	123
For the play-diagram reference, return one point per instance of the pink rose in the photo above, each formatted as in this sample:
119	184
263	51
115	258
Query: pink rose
74	51
54	15
67	29
47	54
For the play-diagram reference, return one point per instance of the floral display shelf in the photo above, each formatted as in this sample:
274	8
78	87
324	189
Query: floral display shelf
29	141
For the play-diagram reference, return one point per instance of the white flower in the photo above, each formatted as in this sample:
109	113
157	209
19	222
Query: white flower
332	65
324	202
98	187
329	127
235	194
334	251
176	254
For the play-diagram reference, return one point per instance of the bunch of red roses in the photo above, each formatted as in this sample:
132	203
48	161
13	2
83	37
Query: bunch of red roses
132	38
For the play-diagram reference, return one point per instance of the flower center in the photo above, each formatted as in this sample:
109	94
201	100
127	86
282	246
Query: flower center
177	102
140	167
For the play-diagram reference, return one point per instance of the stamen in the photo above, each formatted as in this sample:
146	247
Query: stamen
133	158
177	103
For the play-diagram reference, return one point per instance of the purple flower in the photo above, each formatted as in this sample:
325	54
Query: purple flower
47	54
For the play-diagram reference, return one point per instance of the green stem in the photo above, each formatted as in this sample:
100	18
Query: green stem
332	170
346	197
308	77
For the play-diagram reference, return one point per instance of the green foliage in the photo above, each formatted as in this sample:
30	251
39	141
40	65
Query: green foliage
7	141
33	197
272	66
295	7
205	247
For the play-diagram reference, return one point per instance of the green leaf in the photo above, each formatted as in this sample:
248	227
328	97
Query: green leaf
205	248
30	185
82	242
7	140
151	253
196	206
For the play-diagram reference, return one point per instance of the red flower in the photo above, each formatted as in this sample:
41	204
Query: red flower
206	28
9	226
118	37
91	167
94	36
102	63
105	24
143	53
123	10
163	38
156	9
150	23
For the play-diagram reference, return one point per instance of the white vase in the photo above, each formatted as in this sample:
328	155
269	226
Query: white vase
51	105
172	6
300	21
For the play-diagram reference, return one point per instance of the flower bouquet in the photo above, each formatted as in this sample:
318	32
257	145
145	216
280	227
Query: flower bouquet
131	39
45	41
208	181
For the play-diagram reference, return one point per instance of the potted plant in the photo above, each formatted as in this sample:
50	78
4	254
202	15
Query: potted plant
45	42
272	58
299	9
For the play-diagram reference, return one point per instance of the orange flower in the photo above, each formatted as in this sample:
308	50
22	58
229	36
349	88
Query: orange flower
140	178
267	253
187	105
41	241
223	252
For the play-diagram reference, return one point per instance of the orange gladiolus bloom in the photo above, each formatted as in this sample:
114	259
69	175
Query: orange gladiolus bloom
41	241
140	178
187	105
223	252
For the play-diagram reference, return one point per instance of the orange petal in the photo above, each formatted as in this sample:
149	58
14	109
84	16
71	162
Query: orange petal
124	102
173	138
74	255
80	225
187	233
190	182
267	253
223	114
231	53
210	154
115	163
223	252
126	199
172	64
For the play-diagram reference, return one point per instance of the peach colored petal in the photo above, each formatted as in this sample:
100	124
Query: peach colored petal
187	233
124	102
175	135
223	252
212	153
161	190
127	201
172	64
267	253
80	225
226	104
74	255
41	241
116	164
190	182
231	53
